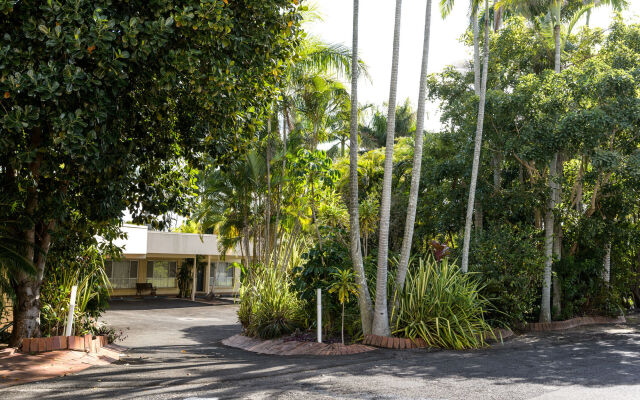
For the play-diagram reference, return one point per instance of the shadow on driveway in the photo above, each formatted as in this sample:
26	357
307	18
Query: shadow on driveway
188	360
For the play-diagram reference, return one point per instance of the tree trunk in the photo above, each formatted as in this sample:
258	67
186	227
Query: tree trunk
381	315
478	217
278	247
496	163
267	208
557	289
557	241
315	219
477	148
342	326
606	274
26	311
549	219
417	161
364	298
476	51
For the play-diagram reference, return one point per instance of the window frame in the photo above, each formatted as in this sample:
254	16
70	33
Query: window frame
166	282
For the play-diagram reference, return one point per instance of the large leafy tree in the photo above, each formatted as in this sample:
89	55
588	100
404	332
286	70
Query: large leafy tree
107	105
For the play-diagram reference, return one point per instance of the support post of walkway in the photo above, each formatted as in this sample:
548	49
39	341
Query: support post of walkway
319	310
193	285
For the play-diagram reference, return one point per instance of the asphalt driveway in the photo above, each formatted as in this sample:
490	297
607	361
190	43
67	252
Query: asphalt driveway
176	354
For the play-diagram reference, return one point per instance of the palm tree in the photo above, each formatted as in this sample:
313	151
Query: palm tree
344	285
374	134
381	314
477	145
364	298
417	161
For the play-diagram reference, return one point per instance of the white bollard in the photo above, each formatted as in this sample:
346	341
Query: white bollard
72	306
319	301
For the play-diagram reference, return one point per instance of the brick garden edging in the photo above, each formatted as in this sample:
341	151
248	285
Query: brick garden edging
570	323
281	347
84	343
388	342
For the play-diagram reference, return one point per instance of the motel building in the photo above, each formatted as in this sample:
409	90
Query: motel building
153	257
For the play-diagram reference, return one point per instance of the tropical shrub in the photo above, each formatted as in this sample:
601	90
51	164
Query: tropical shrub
442	306
269	306
584	291
320	270
88	273
508	263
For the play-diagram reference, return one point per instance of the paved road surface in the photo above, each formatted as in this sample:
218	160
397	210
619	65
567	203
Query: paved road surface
176	354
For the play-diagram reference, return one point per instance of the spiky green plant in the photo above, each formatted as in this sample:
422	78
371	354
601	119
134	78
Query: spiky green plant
88	273
442	306
269	307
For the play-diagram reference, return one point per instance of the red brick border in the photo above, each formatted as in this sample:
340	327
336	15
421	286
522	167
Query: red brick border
393	342
418	343
84	343
293	348
570	323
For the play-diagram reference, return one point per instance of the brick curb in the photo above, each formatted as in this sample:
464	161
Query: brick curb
570	323
293	348
84	343
396	343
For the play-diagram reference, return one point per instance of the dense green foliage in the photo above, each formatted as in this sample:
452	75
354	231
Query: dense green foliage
109	106
507	261
442	306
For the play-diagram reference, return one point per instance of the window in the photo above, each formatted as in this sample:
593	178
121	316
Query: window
122	274
223	274
162	274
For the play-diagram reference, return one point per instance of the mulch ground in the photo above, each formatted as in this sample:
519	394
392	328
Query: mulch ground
285	347
17	368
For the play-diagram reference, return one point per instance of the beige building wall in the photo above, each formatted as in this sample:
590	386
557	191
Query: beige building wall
145	245
142	275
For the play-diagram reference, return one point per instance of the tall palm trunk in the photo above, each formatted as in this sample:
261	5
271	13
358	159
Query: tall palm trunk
476	51
364	298
381	315
267	208
417	161
549	218
477	147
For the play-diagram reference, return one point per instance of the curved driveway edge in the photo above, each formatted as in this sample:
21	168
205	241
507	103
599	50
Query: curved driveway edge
293	348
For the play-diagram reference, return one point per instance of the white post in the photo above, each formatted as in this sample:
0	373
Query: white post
193	284
72	306
319	301
207	276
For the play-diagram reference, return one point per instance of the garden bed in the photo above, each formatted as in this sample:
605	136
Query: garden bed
289	347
